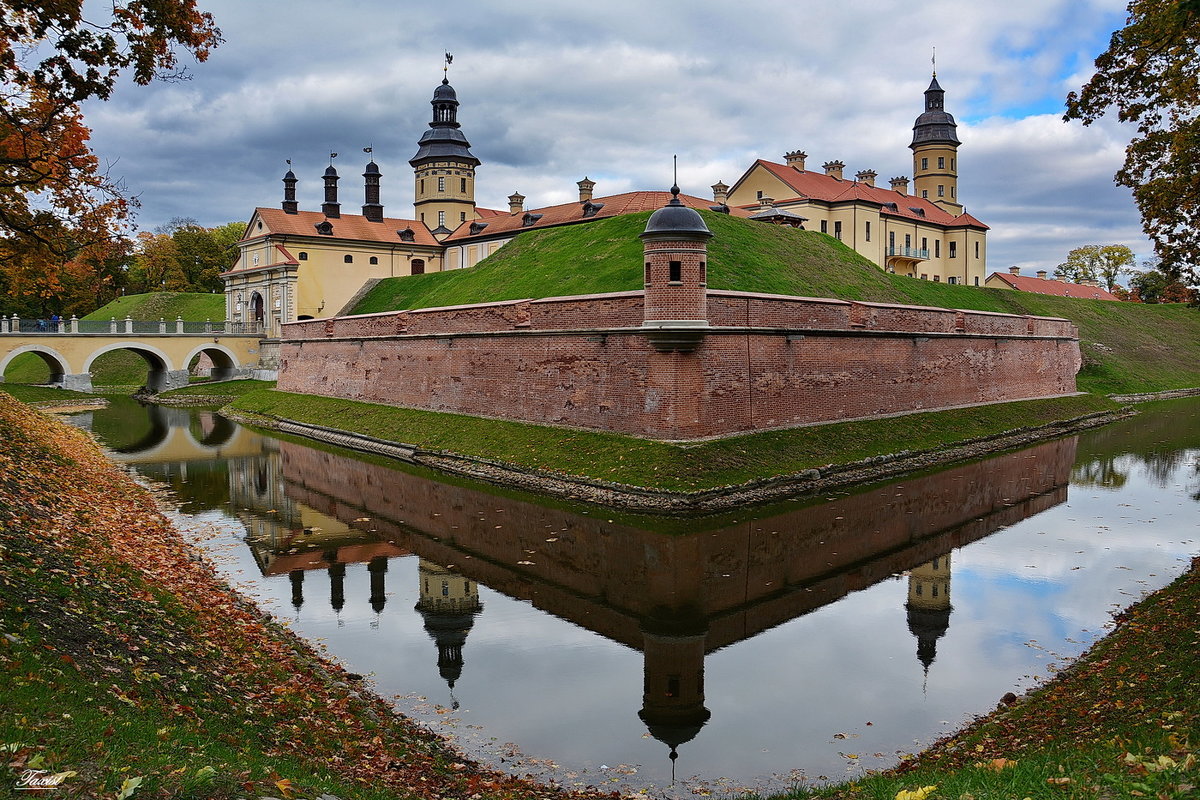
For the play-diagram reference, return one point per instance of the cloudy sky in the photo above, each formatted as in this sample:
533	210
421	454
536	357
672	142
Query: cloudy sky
611	90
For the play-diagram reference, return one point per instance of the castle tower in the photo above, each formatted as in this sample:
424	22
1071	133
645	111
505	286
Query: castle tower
289	193
935	152
331	207
448	603
444	168
928	606
675	256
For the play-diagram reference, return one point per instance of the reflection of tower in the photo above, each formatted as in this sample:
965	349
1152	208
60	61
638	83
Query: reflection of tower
337	581
297	578
448	603
377	566
929	606
673	678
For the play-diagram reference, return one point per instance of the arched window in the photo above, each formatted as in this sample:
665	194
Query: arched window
303	256
349	259
418	266
374	259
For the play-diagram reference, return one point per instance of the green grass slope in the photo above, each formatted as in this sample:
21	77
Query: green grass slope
1127	347
121	367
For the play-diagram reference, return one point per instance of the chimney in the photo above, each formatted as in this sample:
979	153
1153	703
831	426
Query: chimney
289	193
766	203
867	176
834	169
372	209
1041	273
720	193
585	189
795	159
899	184
330	207
1014	270
516	203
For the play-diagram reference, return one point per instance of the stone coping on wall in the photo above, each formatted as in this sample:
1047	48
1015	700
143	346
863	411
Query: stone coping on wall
618	311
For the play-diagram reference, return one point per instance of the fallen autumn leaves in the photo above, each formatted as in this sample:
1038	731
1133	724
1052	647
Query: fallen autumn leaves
127	663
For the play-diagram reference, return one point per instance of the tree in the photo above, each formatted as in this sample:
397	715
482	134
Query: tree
54	199
1096	262
1151	74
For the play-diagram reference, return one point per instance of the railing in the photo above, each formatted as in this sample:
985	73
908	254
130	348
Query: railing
908	252
127	327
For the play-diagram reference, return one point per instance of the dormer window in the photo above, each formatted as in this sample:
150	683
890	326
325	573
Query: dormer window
590	208
477	227
920	212
407	235
530	219
324	228
891	206
348	259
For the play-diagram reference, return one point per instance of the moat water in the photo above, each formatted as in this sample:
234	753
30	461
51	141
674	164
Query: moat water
795	643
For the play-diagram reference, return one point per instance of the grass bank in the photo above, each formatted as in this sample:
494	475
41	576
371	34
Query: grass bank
1127	347
636	462
1123	721
130	669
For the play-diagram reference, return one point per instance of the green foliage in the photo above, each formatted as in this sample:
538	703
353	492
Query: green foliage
184	256
1096	262
1150	74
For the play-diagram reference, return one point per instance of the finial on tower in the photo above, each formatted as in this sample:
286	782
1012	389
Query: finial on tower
675	181
446	67
934	61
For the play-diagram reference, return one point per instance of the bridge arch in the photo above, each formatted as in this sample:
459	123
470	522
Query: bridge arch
54	360
162	374
225	361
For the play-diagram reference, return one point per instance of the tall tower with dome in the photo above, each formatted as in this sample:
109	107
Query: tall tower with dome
444	168
935	152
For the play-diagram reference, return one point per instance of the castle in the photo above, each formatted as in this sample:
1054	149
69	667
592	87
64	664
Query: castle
298	265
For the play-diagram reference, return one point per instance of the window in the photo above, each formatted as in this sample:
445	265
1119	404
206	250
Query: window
374	259
422	186
924	244
824	226
647	273
952	165
303	256
348	259
952	280
867	232
924	193
891	240
462	216
759	196
976	280
977	249
951	191
703	272
441	184
941	190
907	241
422	216
924	276
924	163
937	248
954	249
441	219
837	230
941	162
418	266
462	185
937	278
676	270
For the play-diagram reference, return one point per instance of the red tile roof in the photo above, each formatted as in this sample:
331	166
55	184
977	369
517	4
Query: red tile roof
347	226
1024	283
568	213
819	186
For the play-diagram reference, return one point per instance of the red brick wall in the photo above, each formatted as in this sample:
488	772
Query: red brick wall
581	361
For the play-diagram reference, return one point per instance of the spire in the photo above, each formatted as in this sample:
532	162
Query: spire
372	209
289	191
331	207
935	125
444	139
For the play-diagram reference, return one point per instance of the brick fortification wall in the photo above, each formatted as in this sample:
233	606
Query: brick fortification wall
767	361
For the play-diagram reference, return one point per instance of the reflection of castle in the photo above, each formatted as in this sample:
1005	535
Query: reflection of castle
676	597
448	603
929	606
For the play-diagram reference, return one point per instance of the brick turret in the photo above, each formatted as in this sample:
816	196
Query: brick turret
675	248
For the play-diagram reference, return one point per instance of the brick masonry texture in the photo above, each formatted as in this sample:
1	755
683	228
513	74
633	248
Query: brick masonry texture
766	362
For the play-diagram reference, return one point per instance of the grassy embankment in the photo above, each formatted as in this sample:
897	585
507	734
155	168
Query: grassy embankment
1127	347
122	368
125	661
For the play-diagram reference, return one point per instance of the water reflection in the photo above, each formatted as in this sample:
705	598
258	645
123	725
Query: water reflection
813	616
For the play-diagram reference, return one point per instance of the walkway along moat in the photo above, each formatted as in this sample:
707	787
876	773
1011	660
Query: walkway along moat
807	638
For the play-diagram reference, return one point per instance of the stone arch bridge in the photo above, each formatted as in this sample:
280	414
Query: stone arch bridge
70	347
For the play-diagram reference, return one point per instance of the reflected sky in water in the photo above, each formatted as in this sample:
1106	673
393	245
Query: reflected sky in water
801	642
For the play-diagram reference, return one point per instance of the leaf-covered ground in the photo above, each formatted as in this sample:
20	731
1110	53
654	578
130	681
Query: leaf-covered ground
128	669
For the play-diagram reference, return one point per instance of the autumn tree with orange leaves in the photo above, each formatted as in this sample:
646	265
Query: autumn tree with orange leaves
61	214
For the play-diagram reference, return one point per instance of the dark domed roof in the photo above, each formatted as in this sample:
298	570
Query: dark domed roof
935	125
675	217
330	172
444	92
372	168
290	176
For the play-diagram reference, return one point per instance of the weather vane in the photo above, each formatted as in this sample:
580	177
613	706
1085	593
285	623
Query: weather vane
446	66
934	61
332	156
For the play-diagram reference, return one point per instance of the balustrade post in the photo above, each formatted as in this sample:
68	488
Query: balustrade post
16	324
208	326
74	324
4	324
128	324
112	324
179	324
162	325
62	325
